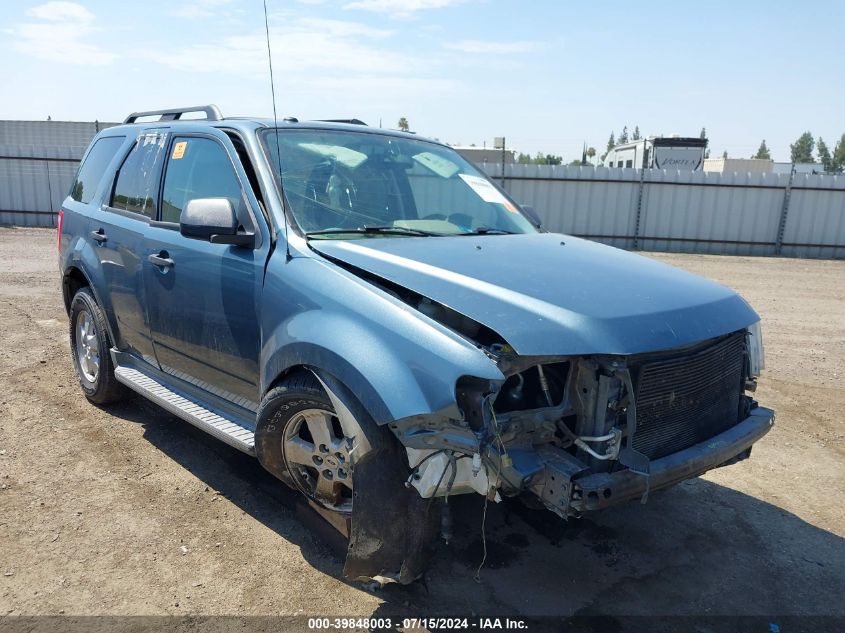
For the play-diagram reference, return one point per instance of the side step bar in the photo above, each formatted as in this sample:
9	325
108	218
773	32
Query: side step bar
209	421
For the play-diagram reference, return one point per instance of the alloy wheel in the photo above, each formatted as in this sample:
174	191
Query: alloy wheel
87	347
317	452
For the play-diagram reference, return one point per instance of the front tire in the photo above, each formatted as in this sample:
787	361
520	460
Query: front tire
392	530
303	437
90	345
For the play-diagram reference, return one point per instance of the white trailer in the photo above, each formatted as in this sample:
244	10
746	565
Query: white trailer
659	152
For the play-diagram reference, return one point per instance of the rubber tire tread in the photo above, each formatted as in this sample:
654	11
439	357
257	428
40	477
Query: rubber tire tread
106	389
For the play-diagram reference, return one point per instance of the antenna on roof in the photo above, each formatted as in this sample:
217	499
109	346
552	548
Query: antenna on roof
276	127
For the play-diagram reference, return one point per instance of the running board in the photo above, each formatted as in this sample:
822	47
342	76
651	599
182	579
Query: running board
205	419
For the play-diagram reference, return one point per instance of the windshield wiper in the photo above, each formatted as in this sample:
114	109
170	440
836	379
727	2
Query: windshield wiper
486	230
376	230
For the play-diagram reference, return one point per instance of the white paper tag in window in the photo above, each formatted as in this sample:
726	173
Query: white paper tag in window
179	150
484	189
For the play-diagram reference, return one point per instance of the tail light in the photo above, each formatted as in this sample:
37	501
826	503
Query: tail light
59	229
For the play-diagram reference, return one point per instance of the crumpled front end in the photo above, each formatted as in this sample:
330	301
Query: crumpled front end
582	433
561	423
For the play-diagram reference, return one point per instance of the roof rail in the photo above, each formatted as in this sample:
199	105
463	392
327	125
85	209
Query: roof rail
350	121
212	113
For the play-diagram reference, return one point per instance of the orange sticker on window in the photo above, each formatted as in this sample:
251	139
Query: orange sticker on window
179	150
510	207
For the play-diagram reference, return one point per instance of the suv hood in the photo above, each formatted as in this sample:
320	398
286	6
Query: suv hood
551	294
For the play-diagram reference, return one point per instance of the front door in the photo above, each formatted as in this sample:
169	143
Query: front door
202	298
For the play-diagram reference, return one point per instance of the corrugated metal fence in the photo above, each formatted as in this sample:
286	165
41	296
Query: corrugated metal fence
38	161
799	215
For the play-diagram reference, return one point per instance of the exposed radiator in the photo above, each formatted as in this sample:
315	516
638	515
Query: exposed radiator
685	400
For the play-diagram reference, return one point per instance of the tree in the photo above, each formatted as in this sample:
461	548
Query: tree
403	124
802	149
725	154
824	154
591	153
539	159
703	133
623	138
548	159
611	143
763	151
837	163
636	136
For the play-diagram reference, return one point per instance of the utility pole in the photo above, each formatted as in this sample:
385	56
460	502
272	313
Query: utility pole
499	143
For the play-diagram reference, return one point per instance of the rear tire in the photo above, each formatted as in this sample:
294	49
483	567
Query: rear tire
90	347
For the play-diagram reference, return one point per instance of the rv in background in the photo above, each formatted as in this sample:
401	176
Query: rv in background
673	152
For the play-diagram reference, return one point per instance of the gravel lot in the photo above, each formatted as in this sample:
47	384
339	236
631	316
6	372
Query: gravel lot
127	510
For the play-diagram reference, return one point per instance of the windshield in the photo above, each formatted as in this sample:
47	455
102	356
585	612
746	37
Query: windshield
342	185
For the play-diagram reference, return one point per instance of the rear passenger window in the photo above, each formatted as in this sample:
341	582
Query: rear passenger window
93	168
197	168
135	187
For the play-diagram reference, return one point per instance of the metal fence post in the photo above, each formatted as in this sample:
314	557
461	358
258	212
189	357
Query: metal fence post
50	193
784	212
636	246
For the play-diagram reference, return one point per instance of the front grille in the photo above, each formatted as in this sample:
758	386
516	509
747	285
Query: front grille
688	399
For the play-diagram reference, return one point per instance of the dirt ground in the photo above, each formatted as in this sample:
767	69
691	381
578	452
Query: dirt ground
129	511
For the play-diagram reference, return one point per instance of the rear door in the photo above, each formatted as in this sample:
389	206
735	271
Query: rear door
203	304
118	231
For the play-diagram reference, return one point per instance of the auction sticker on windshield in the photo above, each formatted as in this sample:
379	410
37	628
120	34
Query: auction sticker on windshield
484	189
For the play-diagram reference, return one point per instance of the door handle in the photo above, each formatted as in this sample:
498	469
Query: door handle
161	259
99	236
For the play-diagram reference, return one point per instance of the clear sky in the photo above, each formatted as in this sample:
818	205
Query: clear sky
548	75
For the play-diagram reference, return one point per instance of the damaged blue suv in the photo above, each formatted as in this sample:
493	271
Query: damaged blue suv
380	325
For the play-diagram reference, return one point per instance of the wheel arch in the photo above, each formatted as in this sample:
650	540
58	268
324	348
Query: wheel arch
83	271
326	364
72	280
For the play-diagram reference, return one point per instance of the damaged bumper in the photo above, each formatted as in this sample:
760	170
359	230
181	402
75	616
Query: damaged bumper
601	490
566	485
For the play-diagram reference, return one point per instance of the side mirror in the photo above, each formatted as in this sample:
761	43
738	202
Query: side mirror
532	215
212	219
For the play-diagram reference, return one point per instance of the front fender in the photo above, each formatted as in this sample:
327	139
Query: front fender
397	361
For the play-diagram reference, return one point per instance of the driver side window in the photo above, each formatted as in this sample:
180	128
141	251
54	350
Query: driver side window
198	168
